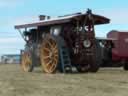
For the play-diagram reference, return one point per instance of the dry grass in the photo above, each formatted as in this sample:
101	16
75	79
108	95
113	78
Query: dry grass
107	82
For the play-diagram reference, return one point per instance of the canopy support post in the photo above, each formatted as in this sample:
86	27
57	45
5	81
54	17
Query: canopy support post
22	34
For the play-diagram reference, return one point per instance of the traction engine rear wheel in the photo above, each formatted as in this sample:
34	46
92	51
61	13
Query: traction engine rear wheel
26	62
49	54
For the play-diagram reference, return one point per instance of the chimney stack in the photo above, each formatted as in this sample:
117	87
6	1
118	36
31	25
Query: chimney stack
44	17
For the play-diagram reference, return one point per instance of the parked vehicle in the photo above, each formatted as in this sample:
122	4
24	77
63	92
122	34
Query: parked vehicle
62	43
117	49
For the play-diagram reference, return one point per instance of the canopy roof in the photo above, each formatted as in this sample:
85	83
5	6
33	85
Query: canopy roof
66	19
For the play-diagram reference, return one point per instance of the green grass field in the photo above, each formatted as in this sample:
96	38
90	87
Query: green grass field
106	82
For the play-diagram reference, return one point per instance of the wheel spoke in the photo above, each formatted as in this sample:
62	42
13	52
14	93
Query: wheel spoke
46	57
55	51
46	49
56	59
55	47
52	67
47	64
49	43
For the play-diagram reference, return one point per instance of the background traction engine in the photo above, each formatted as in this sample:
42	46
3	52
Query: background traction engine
62	44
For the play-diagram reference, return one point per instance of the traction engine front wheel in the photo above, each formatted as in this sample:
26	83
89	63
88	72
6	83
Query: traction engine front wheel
26	62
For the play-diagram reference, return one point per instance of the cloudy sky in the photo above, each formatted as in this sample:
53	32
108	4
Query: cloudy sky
15	12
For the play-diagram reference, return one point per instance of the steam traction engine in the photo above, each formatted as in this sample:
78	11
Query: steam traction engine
62	43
